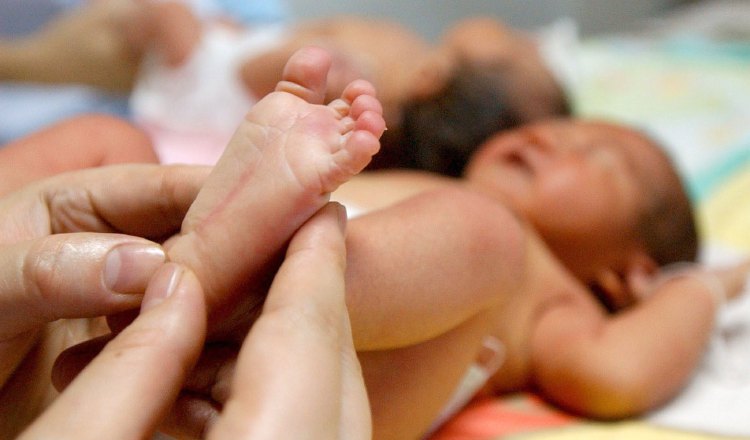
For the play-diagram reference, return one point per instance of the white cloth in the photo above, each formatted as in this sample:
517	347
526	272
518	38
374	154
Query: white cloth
558	45
29	107
192	111
475	377
717	399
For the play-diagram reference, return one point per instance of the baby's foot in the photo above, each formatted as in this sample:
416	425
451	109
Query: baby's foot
277	171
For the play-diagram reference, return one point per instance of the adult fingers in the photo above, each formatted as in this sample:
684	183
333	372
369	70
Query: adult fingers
356	419
290	366
195	407
72	276
128	388
137	199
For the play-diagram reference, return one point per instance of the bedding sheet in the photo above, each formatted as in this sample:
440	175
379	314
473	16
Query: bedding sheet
687	85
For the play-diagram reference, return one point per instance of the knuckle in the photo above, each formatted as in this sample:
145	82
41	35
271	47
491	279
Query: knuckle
71	209
43	275
173	187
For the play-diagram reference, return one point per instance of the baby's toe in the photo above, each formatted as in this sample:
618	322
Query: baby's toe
365	103
305	74
358	88
372	122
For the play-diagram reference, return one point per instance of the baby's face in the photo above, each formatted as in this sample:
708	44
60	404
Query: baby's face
582	185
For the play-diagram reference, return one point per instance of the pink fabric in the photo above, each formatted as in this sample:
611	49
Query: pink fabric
186	148
499	417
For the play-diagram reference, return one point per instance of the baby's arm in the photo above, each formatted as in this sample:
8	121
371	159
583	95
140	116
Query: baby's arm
622	365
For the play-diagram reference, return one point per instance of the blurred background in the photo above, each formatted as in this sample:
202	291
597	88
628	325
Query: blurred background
430	17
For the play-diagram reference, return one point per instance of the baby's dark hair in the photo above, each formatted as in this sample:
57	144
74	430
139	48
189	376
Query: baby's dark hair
667	226
441	132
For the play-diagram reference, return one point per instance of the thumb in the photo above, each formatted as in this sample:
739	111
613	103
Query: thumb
129	387
72	276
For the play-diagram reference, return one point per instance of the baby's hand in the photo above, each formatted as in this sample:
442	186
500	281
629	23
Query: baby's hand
733	278
724	283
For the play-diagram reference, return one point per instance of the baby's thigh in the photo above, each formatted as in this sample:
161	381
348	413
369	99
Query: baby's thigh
81	142
409	387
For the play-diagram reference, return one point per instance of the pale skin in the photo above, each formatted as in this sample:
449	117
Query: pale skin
58	236
404	266
307	371
83	142
549	321
299	147
512	287
315	149
552	326
426	282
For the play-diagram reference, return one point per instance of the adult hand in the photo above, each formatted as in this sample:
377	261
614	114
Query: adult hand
297	363
63	255
130	385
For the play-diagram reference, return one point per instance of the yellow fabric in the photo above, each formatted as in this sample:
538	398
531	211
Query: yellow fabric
725	215
618	431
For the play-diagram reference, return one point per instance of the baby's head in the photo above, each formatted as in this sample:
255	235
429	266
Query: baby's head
482	78
604	197
513	59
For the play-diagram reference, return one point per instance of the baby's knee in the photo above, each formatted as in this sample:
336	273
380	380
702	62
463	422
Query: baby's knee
489	234
105	127
119	140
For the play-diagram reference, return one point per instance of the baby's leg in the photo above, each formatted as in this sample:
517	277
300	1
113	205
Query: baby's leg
77	143
406	403
277	171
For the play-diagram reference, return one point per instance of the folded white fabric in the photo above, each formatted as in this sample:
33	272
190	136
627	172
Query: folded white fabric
202	101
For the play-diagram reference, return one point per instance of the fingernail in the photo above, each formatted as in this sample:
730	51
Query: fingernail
128	267
162	286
